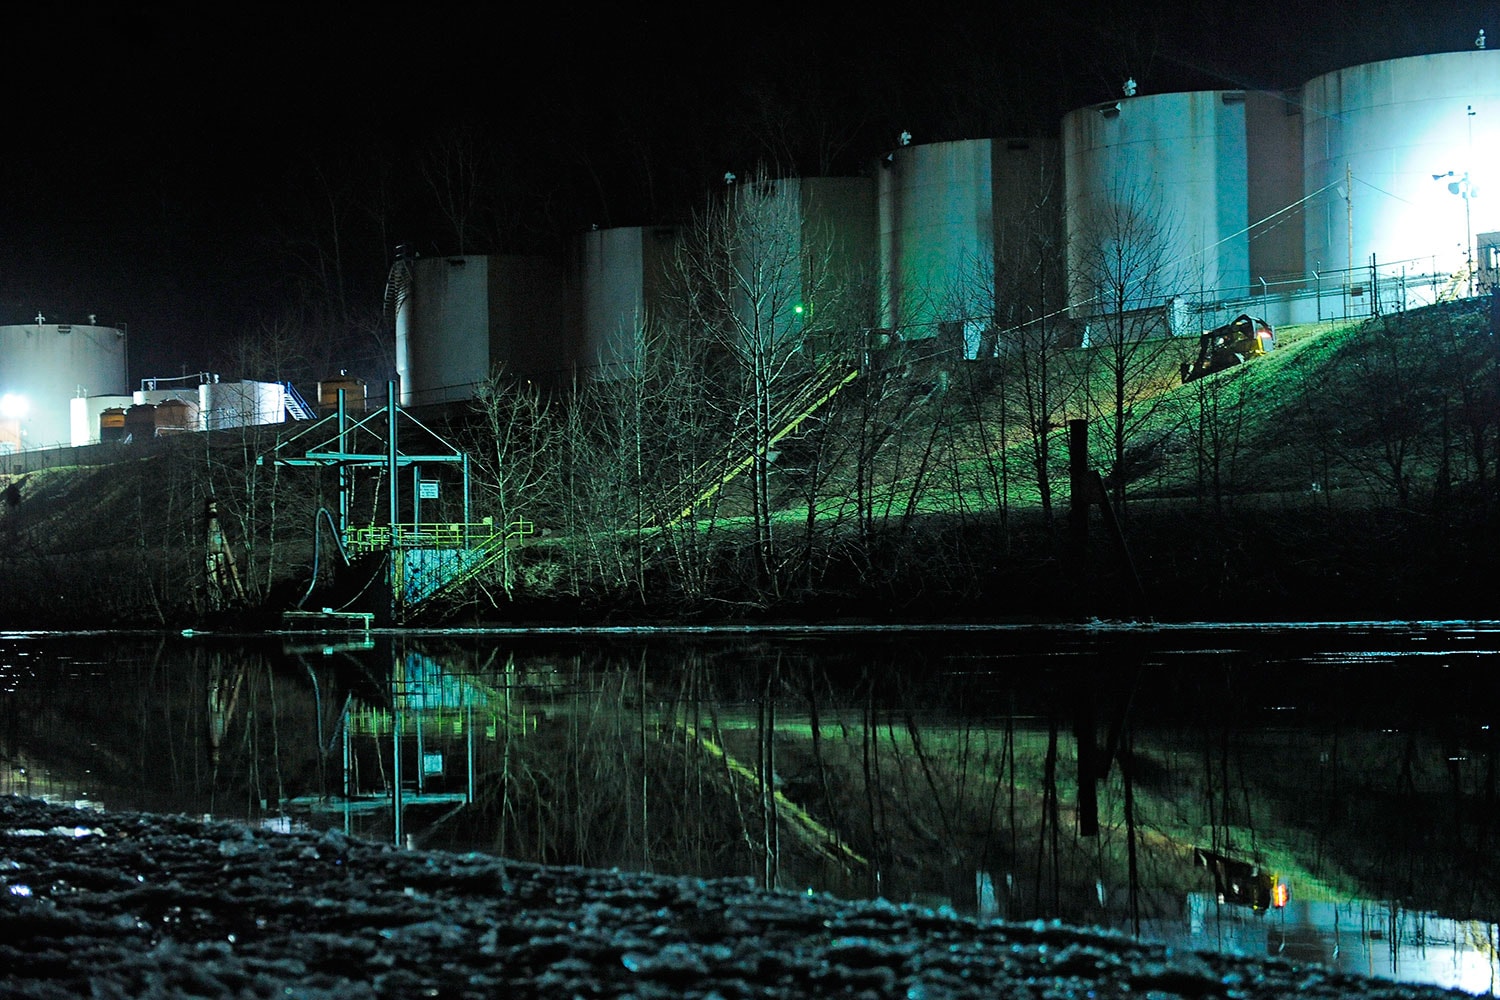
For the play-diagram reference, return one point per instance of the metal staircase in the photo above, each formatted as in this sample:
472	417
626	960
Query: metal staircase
296	407
431	558
711	477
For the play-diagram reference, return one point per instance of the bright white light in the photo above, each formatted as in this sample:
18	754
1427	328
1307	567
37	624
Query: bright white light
14	405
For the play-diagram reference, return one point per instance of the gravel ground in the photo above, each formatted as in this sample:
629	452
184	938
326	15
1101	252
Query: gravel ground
139	905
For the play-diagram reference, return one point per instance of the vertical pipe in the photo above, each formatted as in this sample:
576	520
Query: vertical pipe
416	497
421	754
390	456
467	518
348	763
396	566
397	694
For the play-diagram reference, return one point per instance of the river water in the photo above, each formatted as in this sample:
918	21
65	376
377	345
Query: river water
1322	793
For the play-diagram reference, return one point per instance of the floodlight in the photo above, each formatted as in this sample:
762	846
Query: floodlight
14	406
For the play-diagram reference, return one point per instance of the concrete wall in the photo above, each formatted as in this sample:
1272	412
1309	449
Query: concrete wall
224	405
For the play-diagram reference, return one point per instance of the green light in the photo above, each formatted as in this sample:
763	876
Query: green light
797	309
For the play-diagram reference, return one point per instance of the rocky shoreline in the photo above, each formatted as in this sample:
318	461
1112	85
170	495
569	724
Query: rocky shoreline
117	904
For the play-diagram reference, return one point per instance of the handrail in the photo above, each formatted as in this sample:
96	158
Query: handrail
808	400
382	537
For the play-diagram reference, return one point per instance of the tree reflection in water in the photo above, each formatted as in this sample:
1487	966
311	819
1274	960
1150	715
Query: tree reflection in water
1102	776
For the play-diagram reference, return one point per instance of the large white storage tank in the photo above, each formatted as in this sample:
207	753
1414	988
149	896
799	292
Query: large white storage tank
936	235
1401	164
1175	167
954	218
43	366
462	317
835	237
222	405
623	272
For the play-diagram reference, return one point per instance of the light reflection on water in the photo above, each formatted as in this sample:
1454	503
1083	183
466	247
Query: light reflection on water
1355	761
1356	936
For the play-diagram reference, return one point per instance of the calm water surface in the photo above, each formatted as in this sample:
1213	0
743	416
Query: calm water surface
1319	793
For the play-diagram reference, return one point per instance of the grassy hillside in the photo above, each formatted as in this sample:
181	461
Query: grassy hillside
1349	473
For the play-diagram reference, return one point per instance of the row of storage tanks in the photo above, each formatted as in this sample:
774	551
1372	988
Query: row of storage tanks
65	385
1281	203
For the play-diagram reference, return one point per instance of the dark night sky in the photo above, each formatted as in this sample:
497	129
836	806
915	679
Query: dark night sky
195	171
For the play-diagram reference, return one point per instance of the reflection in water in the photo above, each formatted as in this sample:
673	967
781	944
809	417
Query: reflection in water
1359	936
1227	788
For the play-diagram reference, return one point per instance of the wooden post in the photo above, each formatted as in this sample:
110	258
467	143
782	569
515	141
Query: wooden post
1080	485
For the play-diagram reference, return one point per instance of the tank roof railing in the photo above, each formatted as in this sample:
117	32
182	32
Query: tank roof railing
197	378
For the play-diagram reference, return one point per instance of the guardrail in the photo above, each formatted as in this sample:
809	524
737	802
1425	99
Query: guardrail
382	537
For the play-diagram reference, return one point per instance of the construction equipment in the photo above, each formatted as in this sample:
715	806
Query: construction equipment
1237	341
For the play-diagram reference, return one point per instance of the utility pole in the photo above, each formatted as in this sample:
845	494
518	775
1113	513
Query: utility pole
1349	221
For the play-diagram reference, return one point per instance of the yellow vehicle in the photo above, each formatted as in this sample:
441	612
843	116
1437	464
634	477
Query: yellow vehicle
1237	341
1243	883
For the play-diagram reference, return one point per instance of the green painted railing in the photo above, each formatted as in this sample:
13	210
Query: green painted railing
484	535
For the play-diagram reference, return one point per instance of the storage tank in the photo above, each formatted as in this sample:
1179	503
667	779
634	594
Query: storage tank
459	318
87	413
803	251
623	273
43	366
955	218
140	422
1157	188
241	404
112	424
1401	163
839	241
936	235
176	416
354	394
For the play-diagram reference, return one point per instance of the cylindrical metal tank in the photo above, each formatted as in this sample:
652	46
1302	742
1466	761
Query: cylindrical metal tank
354	394
112	424
240	404
175	416
45	365
87	413
1402	160
935	208
140	421
1159	183
955	218
623	271
461	318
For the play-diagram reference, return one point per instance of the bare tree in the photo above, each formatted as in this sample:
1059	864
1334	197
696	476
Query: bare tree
753	277
456	171
1376	408
1032	335
1219	404
518	473
1124	280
